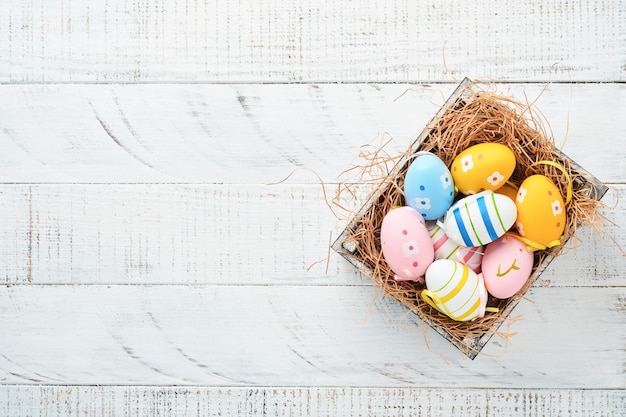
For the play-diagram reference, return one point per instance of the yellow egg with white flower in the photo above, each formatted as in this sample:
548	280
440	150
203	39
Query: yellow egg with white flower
485	166
540	212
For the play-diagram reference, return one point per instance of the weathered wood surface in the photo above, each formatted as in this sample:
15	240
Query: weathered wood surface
140	247
186	276
240	41
261	133
568	337
126	401
220	234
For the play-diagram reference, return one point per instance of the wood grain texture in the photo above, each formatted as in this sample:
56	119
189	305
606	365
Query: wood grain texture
219	234
139	401
261	133
232	335
373	40
148	269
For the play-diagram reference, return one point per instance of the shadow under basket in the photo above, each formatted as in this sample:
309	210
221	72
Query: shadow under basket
359	242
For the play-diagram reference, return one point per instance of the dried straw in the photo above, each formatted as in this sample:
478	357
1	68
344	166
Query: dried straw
483	116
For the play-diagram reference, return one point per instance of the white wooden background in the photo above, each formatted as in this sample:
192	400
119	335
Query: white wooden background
150	267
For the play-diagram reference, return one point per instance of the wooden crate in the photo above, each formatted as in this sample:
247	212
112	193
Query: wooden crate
345	246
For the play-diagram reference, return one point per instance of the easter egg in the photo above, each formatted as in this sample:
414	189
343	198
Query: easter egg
506	266
540	211
406	244
446	248
481	218
485	166
508	190
428	186
455	290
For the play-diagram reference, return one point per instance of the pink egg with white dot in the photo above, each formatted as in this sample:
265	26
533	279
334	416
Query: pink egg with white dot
406	244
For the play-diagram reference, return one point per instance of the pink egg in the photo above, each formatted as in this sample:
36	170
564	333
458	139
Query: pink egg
506	266
406	244
446	248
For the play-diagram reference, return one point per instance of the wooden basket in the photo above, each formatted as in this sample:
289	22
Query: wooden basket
480	331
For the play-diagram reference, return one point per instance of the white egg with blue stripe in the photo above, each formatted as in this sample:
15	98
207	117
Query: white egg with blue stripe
479	219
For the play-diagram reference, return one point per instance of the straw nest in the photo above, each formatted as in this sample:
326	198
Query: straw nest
481	116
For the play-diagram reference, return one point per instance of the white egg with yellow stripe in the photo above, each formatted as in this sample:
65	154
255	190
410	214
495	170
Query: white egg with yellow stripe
455	290
480	218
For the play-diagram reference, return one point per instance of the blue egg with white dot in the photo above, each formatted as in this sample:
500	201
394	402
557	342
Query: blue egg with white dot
428	186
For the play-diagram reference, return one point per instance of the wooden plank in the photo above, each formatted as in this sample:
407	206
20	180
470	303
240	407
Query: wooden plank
178	40
170	233
138	401
260	133
231	335
218	234
193	133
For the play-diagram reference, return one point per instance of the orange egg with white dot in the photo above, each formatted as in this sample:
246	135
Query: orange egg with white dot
540	211
485	166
